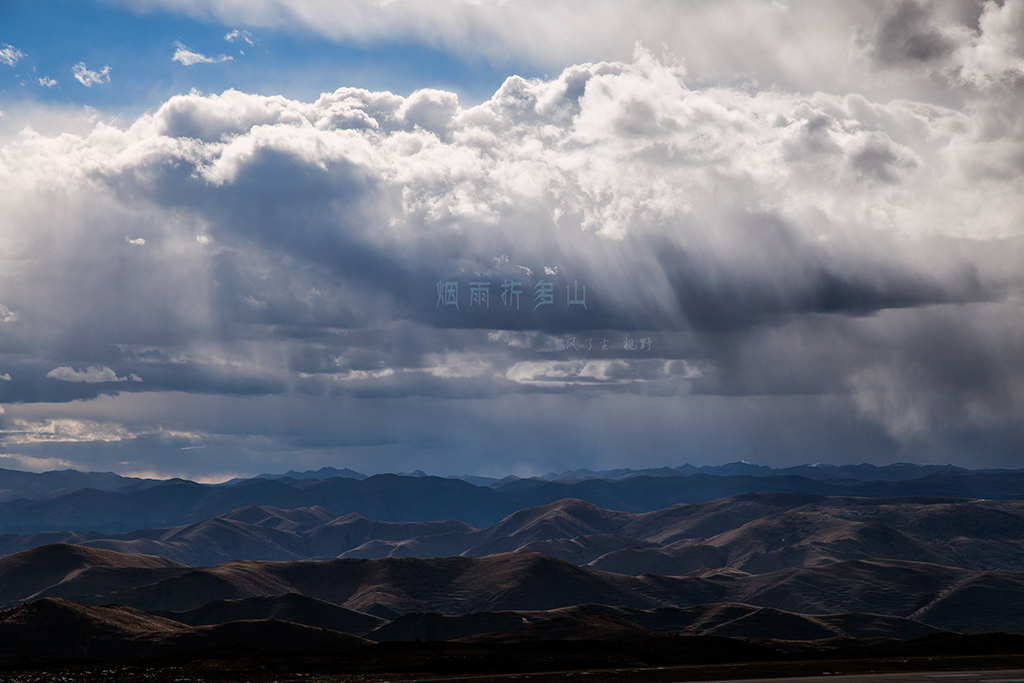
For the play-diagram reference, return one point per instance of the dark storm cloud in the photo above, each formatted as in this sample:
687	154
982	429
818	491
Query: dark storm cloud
907	32
791	277
977	44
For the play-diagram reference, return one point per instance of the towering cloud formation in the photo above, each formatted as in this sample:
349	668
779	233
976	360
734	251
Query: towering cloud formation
619	266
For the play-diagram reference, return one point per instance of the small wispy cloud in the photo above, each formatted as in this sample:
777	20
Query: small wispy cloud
6	377
62	430
240	35
10	55
186	57
7	315
135	241
47	82
34	464
93	374
90	78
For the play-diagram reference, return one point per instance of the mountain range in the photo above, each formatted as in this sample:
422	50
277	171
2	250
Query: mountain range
892	591
751	532
141	569
142	504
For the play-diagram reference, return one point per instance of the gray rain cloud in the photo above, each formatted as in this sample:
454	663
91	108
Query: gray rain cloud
607	267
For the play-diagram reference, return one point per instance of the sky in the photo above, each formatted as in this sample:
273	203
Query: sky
509	237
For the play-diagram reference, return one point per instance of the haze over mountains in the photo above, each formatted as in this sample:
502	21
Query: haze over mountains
18	484
140	504
162	567
864	471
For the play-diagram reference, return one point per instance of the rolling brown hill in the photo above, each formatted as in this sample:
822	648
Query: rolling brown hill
720	619
57	625
256	532
811	537
757	533
266	635
946	597
211	541
299	609
989	601
591	627
749	621
55	629
966	534
972	534
568	518
583	550
458	585
815	571
58	629
47	569
384	587
441	545
52	629
705	520
433	627
671	561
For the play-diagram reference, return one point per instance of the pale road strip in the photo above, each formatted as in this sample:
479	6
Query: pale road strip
1011	676
976	676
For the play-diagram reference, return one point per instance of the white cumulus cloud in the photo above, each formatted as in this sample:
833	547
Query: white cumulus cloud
805	45
186	57
92	374
240	35
90	78
10	55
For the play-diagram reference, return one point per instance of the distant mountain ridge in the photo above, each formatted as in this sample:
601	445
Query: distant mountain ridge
820	471
150	504
322	473
15	484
